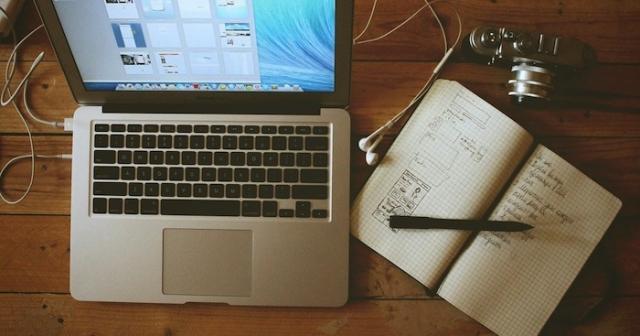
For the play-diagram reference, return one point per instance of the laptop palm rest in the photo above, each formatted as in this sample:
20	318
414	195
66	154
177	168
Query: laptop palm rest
207	262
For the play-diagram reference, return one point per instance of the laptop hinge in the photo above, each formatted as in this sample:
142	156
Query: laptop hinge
305	109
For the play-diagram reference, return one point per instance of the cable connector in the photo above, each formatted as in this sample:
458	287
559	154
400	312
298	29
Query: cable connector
68	124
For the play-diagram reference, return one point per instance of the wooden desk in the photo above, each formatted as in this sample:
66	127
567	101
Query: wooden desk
598	130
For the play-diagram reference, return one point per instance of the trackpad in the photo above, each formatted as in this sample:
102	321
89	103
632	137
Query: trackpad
207	262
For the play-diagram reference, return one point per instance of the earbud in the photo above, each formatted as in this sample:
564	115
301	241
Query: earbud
372	158
365	144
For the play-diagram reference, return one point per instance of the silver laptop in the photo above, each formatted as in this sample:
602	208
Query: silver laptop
210	153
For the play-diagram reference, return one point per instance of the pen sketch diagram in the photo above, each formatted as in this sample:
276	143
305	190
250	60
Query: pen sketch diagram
446	139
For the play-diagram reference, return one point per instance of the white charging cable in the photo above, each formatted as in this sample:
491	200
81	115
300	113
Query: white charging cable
371	142
8	97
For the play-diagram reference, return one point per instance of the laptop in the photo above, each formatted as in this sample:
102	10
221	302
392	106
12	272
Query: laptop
210	151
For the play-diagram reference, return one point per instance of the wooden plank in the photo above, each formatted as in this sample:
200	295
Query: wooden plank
34	258
60	314
603	102
610	27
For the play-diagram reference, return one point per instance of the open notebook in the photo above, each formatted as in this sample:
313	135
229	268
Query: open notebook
459	157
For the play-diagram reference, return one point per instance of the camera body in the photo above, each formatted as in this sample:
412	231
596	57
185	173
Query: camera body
536	59
9	10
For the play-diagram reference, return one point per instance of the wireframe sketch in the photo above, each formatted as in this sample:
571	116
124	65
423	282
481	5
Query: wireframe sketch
403	198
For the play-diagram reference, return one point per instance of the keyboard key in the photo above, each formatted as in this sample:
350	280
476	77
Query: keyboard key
317	143
246	142
286	213
185	129
251	129
270	159
149	207
151	189
201	207
176	174
101	141
106	173
209	174
232	191
115	206
168	190
216	190
160	174
321	130
234	129
296	143
197	142
315	192
133	141
125	157
128	173
287	159
290	175
241	175
251	208
168	128
201	129
118	128
303	130
258	175
156	158
218	129
303	209
303	159
144	173
314	176
200	190
188	158
320	160
214	142
279	143
181	142
109	188
165	141
184	190
283	191
249	191
269	129
263	143
319	213
225	174
265	191
274	175
192	174
205	158
221	159
101	128
237	159
116	141
254	159
136	189
149	141
172	158
269	209
99	205
285	129
140	157
151	128
131	206
229	142
134	128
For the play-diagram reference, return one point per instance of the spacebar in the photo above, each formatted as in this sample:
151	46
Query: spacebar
200	208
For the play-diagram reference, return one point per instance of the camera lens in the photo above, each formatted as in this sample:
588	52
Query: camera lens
530	82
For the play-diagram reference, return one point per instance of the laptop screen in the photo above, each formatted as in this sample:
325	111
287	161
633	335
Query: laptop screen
202	45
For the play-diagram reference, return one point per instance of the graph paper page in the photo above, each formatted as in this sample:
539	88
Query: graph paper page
449	161
512	282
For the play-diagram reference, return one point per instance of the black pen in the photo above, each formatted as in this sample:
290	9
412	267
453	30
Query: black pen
423	223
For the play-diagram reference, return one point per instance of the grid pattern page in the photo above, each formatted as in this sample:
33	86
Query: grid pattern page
512	282
450	161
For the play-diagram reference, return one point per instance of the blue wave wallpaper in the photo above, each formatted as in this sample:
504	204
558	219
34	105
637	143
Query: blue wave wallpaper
296	42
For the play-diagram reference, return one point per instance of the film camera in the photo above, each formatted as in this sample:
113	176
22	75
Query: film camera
535	58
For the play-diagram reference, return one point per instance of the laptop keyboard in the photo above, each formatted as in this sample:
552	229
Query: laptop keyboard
211	170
